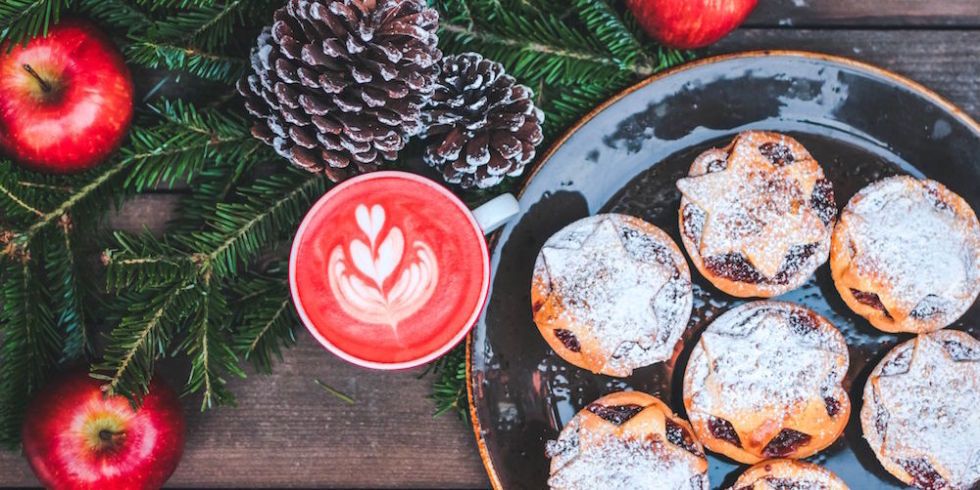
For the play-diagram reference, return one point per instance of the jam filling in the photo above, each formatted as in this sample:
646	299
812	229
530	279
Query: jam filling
923	474
938	201
536	307
716	166
779	154
735	267
678	436
569	339
803	322
723	429
616	414
787	484
822	201
926	308
785	443
693	222
881	420
833	406
870	299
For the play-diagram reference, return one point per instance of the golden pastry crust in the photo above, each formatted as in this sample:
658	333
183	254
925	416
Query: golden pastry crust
906	255
920	411
756	216
627	440
611	293
765	381
779	474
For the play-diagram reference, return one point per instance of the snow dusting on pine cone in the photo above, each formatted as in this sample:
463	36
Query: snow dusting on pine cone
480	124
338	86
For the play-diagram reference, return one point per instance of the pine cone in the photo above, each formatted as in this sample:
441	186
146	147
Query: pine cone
480	124
338	85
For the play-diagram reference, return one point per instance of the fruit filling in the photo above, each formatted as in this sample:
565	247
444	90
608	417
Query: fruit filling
833	406
735	267
779	154
822	201
616	414
870	299
785	443
568	339
678	436
723	429
716	166
923	474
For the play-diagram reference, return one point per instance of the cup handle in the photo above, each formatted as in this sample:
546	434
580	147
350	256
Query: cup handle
496	212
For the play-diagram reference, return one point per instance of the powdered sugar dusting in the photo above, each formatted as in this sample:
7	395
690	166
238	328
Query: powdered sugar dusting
758	205
925	256
754	351
609	462
932	406
785	474
629	288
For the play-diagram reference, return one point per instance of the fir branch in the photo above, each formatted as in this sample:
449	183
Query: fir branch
209	25
266	322
449	384
185	142
142	262
120	15
66	283
168	56
91	194
606	24
30	343
20	20
209	351
142	336
237	232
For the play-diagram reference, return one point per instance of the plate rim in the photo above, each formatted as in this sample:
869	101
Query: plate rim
908	83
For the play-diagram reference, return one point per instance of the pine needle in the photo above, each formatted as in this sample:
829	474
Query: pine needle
335	392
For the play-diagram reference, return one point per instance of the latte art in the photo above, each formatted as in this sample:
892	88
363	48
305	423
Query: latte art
363	291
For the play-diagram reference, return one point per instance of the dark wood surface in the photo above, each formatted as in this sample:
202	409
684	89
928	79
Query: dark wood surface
288	432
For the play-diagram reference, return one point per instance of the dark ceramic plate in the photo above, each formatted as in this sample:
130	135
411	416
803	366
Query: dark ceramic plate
861	123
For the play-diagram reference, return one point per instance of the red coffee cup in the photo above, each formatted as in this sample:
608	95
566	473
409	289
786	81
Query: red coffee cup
389	270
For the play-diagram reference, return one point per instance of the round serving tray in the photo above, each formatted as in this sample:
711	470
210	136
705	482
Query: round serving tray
860	122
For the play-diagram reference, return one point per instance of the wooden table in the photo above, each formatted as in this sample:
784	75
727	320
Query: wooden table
287	432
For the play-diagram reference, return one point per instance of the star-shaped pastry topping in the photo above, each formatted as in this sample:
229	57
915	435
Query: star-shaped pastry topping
932	410
926	256
756	208
606	284
764	368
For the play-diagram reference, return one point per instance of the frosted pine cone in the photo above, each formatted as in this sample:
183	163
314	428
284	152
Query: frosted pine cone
480	124
338	85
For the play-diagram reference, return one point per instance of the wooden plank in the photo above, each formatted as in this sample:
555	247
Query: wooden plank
287	432
946	61
876	13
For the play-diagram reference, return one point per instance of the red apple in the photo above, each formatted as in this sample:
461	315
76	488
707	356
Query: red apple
66	100
76	438
690	24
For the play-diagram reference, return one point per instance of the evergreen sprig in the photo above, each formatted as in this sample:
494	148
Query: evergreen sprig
213	291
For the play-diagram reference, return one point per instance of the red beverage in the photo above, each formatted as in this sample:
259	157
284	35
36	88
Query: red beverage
389	270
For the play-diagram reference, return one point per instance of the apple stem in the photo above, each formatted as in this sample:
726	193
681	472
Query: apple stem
44	86
106	435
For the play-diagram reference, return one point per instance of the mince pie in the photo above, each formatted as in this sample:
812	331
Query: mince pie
611	293
764	381
628	441
906	255
756	216
921	412
788	474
